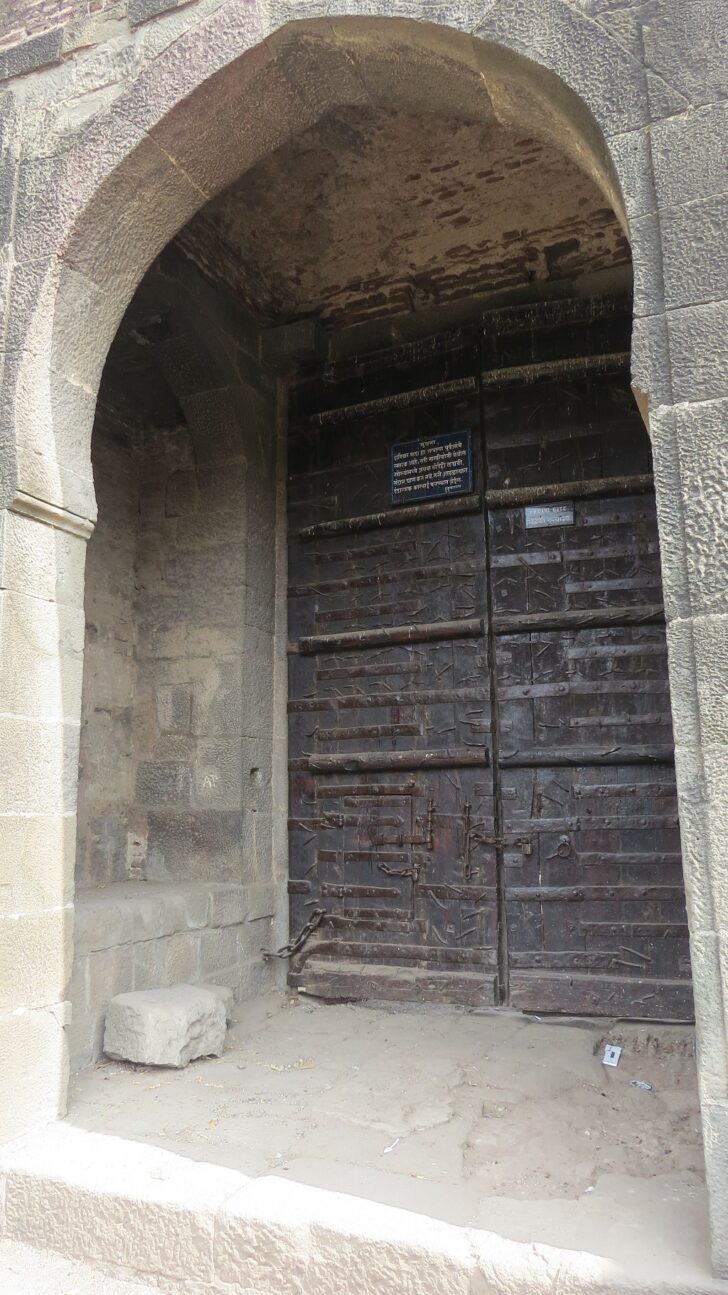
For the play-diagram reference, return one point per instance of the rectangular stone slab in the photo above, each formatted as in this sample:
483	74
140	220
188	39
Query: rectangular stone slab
166	1027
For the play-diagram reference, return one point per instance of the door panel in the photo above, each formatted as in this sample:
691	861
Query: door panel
390	712
482	792
594	908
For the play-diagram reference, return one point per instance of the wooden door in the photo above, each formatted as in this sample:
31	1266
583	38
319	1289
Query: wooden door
482	792
390	702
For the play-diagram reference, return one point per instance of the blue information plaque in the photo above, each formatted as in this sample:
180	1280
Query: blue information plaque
431	468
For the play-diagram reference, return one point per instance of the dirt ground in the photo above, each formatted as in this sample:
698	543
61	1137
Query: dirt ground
497	1121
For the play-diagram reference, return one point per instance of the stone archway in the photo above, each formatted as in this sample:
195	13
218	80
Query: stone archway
130	181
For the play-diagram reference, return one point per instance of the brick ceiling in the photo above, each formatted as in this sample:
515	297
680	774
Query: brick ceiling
374	214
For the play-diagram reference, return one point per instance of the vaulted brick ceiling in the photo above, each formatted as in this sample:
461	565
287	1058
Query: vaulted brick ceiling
375	214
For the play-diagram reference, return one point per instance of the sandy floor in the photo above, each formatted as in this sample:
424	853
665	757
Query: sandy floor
495	1121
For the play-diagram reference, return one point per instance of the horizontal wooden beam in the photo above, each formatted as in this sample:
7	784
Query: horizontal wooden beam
411	515
427	395
587	618
569	367
566	367
537	757
373	761
389	636
595	488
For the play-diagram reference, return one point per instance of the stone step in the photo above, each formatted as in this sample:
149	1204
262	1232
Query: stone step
26	1271
142	1214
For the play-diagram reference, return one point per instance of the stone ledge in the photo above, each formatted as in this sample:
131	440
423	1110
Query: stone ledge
134	911
144	1213
151	935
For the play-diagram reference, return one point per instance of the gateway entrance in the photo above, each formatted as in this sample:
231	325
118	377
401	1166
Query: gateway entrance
482	792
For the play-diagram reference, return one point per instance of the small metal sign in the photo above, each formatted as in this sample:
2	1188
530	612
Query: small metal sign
431	469
548	515
611	1055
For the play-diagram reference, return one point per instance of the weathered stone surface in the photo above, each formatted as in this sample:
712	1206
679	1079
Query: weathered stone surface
33	54
118	146
225	996
698	337
702	446
34	1074
694	251
165	1027
688	154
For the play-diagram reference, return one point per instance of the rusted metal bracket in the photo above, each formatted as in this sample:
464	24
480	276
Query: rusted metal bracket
473	836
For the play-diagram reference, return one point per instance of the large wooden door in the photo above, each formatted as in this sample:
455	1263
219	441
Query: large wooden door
482	792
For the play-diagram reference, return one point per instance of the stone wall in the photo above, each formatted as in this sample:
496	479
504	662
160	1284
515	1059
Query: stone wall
109	142
178	714
142	935
106	761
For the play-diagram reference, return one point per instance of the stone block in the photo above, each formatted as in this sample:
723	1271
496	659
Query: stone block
229	905
34	1073
683	683
41	561
110	972
710	655
694	251
715	1140
288	344
165	1027
197	903
149	965
210	147
157	910
142	10
201	529
257	976
631	156
102	856
698	338
651	366
219	951
670	513
190	369
218	568
35	958
160	784
215	427
702	441
182	958
174	709
218	703
707	954
27	883
31	54
647	264
226	997
195	845
217	775
259	605
688	154
686	46
38	766
587	58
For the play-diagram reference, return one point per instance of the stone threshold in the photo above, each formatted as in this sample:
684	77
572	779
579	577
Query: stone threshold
144	1214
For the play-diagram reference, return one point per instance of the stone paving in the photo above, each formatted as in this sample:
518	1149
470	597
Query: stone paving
498	1122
